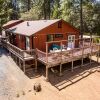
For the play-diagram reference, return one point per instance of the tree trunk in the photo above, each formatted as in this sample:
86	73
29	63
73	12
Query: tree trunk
49	13
29	6
44	10
81	18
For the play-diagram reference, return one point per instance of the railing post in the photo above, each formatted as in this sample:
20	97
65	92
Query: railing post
19	63
82	54
61	60
24	66
22	53
46	52
35	53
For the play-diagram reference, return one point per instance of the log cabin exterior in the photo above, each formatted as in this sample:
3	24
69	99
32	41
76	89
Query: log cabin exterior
34	34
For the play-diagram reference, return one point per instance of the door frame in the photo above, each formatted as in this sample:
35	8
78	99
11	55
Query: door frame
71	41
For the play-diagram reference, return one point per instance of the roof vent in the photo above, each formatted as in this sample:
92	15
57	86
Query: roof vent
45	20
28	24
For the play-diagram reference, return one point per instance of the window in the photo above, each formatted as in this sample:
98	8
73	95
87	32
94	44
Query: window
50	37
71	38
59	35
60	24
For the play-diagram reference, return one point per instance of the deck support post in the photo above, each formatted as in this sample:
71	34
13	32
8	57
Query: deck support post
9	53
72	62
91	56
19	63
16	59
35	65
60	74
90	59
82	54
82	61
47	76
24	66
72	66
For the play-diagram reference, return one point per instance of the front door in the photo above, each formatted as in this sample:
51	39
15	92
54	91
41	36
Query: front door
27	43
71	41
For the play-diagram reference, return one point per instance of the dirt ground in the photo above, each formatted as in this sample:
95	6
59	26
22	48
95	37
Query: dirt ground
82	84
12	79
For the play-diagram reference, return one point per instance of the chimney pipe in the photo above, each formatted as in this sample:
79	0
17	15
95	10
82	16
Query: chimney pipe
28	24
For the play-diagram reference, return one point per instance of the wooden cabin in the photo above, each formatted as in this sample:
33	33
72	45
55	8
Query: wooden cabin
44	34
34	34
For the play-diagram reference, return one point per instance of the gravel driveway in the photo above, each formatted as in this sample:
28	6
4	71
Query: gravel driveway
10	80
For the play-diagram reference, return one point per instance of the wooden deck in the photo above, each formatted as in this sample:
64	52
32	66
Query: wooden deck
62	56
86	48
66	56
22	55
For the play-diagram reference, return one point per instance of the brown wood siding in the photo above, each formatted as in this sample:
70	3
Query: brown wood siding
41	37
20	41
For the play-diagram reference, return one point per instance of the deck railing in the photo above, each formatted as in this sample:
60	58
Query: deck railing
86	47
66	56
41	55
24	54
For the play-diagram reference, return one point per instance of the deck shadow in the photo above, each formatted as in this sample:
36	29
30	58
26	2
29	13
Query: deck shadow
3	51
68	78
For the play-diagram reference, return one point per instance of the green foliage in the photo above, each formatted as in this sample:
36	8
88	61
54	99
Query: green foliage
34	13
4	12
56	10
68	10
91	14
31	15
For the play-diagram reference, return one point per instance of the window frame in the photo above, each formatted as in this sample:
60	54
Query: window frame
50	35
